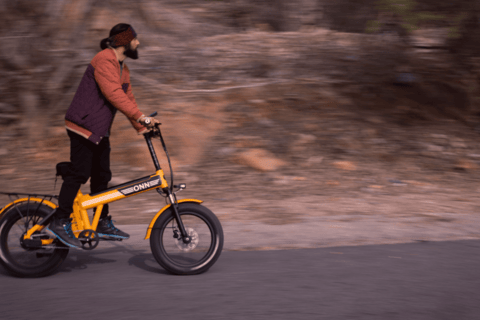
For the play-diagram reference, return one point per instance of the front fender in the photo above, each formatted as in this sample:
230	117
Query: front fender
149	230
39	200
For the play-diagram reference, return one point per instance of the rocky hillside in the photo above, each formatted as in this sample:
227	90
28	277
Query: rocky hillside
267	115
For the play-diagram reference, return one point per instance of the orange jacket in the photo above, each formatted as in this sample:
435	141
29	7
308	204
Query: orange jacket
103	90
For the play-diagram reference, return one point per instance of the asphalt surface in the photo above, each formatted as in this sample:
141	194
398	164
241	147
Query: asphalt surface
420	280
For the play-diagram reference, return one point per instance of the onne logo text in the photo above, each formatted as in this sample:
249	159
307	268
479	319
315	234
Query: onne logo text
140	186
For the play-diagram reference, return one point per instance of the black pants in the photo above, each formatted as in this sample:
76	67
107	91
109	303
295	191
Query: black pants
89	160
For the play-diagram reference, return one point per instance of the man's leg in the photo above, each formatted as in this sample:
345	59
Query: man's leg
81	154
101	175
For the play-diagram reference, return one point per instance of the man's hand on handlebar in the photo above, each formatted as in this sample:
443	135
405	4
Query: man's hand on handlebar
148	122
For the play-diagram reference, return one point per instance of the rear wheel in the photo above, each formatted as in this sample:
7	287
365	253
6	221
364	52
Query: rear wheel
17	257
196	256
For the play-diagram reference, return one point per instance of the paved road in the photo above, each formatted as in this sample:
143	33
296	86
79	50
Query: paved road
423	280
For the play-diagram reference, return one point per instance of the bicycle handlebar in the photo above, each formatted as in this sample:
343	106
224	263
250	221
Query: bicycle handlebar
153	115
157	133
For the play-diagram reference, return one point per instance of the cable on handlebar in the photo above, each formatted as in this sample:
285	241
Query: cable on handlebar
157	126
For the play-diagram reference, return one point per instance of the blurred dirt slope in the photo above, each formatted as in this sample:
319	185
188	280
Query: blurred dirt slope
269	112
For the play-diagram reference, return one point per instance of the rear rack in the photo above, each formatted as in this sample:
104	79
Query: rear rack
17	195
13	196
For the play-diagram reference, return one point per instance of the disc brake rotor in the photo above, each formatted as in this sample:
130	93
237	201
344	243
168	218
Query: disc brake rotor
188	246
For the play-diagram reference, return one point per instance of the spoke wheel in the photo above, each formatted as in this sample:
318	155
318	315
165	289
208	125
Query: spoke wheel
18	258
203	247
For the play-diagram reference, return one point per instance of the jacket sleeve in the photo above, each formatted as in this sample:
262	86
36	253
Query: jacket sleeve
108	79
135	124
129	89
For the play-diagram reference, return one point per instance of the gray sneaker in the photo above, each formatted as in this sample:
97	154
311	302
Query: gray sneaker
106	228
62	228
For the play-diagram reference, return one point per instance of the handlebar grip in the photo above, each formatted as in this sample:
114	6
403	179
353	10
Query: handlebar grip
153	114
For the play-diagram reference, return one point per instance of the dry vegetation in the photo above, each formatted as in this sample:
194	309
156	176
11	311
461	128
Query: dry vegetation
272	110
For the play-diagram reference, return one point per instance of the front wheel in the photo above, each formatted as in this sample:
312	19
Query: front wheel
20	259
196	256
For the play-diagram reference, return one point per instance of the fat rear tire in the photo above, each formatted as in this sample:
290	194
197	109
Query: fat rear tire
187	259
18	260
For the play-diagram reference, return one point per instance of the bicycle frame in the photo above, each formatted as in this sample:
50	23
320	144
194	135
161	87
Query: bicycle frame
83	202
30	245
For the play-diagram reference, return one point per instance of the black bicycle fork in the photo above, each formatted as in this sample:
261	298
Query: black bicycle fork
173	201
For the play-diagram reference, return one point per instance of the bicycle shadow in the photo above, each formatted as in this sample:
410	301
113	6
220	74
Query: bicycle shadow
74	261
80	260
4	272
146	262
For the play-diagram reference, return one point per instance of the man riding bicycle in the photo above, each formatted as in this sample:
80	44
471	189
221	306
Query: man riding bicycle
104	89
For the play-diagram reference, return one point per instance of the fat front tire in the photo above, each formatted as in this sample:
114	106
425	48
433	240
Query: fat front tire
20	260
196	256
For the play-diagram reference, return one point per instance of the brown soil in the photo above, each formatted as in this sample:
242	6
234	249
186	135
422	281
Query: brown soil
273	127
340	160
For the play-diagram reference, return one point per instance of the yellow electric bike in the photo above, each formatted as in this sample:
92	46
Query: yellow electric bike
185	236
